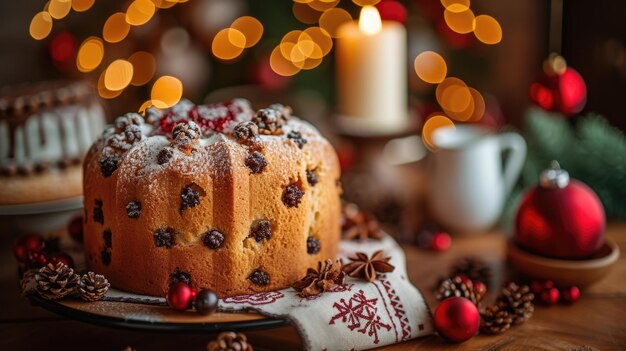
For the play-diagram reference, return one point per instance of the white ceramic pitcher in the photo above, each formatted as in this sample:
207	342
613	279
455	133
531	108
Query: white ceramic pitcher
469	183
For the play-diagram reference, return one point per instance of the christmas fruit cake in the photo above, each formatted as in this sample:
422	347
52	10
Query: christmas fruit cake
217	196
45	130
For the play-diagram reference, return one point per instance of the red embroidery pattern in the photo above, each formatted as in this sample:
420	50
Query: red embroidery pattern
360	312
397	306
263	298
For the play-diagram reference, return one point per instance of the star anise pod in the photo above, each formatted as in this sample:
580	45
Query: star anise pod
365	267
357	224
316	281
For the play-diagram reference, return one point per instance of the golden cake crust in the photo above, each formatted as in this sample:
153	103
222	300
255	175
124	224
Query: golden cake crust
232	201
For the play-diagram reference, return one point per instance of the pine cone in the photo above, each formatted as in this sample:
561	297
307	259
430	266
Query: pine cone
494	320
230	341
55	282
92	286
459	286
473	268
327	275
517	301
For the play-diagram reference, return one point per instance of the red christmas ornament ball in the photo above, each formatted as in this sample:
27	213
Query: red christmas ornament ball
36	260
479	287
560	218
457	319
441	241
550	296
179	296
61	257
26	244
391	10
559	88
570	294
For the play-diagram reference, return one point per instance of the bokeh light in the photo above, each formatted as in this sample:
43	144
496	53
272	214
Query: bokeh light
479	106
59	8
40	25
167	90
321	5
460	22
144	67
103	91
456	5
90	54
139	12
332	19
366	2
320	37
453	95
433	123
228	44
280	65
305	14
82	5
118	75
250	27
115	28
430	67
487	29
164	4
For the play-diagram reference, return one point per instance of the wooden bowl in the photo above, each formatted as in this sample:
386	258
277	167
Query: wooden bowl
581	273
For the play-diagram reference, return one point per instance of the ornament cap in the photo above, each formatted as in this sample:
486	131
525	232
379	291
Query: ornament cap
554	177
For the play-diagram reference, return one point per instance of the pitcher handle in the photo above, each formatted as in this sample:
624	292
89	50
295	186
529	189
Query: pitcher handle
513	165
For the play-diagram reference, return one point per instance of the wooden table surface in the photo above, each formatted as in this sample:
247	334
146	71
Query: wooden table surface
597	321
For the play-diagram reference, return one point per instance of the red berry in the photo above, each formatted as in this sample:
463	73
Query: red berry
536	287
548	284
75	229
570	294
479	287
179	296
36	259
26	244
441	241
550	296
61	257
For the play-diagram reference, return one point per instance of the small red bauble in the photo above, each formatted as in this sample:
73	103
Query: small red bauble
61	257
559	88
457	319
75	229
441	241
36	260
179	296
536	287
550	296
479	287
570	294
560	218
26	244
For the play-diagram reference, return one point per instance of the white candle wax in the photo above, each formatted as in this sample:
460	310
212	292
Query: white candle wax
371	75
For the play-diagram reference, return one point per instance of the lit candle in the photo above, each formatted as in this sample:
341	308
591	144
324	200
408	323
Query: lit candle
371	74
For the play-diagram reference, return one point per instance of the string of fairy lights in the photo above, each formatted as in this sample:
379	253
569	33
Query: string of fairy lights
298	50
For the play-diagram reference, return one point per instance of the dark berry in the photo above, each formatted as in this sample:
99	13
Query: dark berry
132	133
292	195
213	239
256	162
180	276
165	155
165	237
297	138
98	214
312	245
186	130
259	277
106	256
107	236
189	198
262	230
269	121
108	165
206	302
311	177
133	209
246	131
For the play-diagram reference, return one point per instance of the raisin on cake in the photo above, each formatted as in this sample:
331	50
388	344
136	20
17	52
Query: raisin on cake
215	195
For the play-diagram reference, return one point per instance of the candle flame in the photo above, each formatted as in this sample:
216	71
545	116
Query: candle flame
369	21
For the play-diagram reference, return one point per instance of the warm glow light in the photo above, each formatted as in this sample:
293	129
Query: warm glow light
144	67
432	124
228	44
139	12
430	67
453	95
479	106
369	20
487	29
164	4
305	14
251	28
103	91
90	54
115	28
40	25
149	103
167	90
321	5
118	75
280	65
460	22
332	19
366	2
321	38
82	5
59	8
456	5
